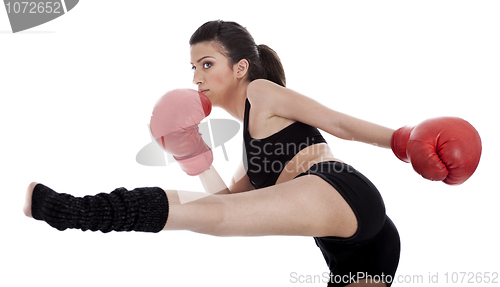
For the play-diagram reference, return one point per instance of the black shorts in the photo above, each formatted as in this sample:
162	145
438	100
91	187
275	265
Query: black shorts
372	253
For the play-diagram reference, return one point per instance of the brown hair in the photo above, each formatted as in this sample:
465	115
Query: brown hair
236	44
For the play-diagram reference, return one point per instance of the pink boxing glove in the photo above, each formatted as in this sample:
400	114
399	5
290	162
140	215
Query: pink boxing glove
447	149
174	125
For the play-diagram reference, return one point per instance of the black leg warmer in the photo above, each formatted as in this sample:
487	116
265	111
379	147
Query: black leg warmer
142	209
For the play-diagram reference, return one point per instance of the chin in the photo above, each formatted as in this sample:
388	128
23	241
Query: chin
212	99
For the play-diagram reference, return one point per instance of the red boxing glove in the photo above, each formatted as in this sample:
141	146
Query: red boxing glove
174	125
447	149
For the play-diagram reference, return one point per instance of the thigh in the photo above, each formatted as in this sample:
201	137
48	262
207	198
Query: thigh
305	206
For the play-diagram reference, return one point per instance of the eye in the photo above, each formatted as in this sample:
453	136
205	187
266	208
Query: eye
193	68
207	65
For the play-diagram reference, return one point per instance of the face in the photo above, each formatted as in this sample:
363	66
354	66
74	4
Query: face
212	72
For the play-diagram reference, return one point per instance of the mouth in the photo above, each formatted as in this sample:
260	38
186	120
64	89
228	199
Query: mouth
203	91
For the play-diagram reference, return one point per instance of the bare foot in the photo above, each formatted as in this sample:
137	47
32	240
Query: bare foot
27	203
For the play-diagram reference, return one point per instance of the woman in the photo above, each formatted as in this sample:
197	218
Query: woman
288	183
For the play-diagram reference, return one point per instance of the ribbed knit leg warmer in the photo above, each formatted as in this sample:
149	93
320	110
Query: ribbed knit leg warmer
142	209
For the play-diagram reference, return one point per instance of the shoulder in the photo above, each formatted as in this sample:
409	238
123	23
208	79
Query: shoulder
278	101
260	86
263	93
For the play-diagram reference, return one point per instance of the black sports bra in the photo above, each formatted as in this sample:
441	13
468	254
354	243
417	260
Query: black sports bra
264	159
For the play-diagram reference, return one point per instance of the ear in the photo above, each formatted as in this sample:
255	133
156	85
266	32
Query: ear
241	68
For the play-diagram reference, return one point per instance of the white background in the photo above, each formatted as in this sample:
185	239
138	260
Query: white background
76	95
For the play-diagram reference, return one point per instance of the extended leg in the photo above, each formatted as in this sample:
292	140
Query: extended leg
141	209
306	206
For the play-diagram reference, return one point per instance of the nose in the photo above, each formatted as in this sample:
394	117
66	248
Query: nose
197	80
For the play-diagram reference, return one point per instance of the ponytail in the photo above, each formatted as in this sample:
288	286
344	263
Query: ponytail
271	65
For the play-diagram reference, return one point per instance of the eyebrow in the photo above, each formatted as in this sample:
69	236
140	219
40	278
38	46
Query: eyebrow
202	58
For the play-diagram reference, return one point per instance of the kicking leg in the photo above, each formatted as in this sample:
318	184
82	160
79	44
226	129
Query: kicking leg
305	206
142	209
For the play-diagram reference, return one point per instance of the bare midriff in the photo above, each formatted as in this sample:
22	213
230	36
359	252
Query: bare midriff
304	159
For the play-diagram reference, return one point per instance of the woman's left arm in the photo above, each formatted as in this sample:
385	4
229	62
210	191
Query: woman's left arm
289	104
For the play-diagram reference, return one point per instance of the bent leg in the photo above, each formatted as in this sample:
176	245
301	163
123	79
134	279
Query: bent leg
305	206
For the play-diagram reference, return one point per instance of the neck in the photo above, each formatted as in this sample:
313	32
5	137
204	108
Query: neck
235	103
